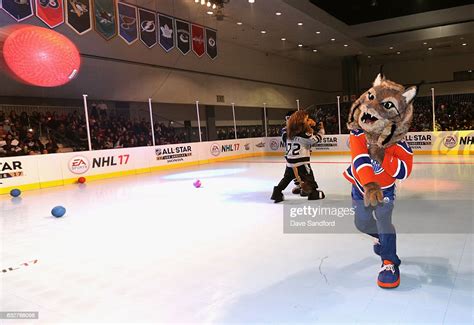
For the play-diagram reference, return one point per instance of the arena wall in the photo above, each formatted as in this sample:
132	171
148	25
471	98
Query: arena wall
113	70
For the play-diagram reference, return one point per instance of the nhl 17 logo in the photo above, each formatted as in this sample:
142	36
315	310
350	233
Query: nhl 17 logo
79	165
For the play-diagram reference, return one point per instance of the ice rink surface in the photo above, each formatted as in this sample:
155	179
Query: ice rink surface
152	248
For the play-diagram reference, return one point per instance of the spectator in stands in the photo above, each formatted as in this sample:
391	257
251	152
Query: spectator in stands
31	144
10	146
51	146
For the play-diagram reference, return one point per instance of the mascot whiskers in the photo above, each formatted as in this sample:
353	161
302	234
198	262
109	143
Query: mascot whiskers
378	122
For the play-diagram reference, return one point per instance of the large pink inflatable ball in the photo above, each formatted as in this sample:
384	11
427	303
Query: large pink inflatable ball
39	56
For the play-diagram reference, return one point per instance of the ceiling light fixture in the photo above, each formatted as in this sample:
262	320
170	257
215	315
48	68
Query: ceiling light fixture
318	32
464	44
424	43
300	45
278	13
214	4
345	45
333	39
263	31
391	48
315	50
239	23
283	39
368	56
209	12
399	52
251	1
430	48
300	24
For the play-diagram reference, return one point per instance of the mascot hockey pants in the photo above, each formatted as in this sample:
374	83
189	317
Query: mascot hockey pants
377	222
305	173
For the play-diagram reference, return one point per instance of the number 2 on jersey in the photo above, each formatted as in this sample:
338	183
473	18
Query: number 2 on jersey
294	148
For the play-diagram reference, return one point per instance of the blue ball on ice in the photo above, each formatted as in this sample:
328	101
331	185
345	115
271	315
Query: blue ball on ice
15	192
58	211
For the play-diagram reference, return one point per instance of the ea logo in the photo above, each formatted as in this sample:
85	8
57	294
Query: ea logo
274	145
215	150
79	165
450	141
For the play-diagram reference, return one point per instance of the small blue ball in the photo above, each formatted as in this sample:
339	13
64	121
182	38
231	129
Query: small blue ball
58	211
15	192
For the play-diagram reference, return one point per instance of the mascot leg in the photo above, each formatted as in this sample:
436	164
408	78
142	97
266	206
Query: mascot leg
297	189
389	275
277	194
377	222
309	185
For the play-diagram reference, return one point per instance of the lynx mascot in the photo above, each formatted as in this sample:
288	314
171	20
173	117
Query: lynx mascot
378	122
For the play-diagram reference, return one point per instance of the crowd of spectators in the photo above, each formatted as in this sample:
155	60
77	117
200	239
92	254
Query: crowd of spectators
17	137
453	112
247	131
47	132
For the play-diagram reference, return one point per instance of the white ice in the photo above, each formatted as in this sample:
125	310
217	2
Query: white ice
152	248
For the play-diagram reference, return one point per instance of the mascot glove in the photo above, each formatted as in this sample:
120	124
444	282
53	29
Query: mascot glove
373	194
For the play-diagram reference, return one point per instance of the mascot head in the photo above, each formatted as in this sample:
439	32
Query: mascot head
384	112
298	123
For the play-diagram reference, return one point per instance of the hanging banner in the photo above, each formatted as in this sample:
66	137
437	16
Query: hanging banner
51	12
147	25
198	40
183	36
105	18
166	32
18	9
78	15
127	22
211	43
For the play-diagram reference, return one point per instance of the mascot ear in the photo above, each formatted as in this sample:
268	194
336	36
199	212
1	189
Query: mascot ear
379	79
410	94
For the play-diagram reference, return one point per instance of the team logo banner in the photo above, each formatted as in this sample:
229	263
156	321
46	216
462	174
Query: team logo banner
127	18
183	36
198	40
211	43
166	32
147	27
105	18
78	15
18	9
50	12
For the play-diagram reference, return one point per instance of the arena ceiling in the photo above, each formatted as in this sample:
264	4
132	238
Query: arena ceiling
321	32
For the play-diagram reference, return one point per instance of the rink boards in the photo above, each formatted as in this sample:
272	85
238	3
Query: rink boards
436	143
41	171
